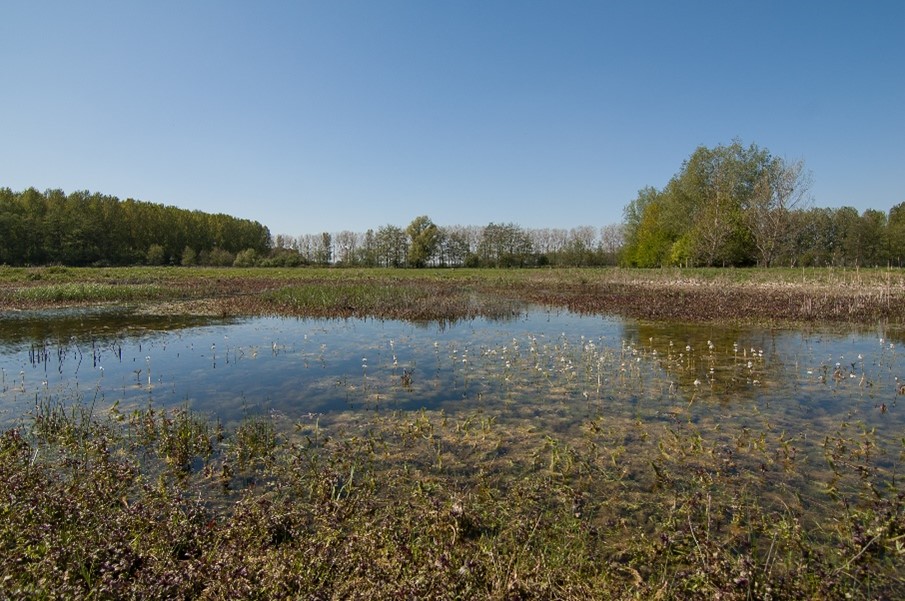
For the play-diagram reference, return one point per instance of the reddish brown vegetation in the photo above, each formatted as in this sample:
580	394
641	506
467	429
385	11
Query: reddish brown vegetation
735	302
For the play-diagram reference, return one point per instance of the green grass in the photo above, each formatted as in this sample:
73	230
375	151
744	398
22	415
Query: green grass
364	297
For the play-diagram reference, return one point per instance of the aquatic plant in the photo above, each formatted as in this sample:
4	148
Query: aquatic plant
658	465
556	500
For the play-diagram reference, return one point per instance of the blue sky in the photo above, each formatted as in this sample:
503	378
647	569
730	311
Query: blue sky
338	115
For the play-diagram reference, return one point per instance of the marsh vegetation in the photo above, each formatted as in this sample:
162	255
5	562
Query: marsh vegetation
738	295
478	440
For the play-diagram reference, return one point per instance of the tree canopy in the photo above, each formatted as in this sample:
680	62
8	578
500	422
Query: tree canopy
728	205
84	228
737	205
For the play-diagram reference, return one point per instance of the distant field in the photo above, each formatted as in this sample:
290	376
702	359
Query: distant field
825	294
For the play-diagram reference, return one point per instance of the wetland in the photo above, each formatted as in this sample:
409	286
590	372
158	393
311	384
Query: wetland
564	434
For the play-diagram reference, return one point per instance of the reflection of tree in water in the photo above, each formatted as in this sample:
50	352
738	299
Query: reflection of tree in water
62	327
724	363
734	362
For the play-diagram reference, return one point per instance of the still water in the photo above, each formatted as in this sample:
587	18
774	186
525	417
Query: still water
585	364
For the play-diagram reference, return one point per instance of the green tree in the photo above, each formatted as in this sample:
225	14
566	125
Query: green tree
698	218
156	255
655	239
246	258
218	257
13	231
632	220
872	233
504	245
895	226
189	256
715	189
424	239
392	246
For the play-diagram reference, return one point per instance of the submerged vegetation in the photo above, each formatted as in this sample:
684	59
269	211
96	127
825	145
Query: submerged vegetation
622	478
567	469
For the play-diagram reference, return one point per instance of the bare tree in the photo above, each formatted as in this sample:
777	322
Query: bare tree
781	188
541	240
582	241
281	241
323	253
458	242
713	231
612	238
345	242
307	244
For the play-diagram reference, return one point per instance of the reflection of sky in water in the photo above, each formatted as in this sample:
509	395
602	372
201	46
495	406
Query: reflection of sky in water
299	366
292	365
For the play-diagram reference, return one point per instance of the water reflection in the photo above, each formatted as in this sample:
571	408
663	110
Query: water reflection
587	364
56	327
640	415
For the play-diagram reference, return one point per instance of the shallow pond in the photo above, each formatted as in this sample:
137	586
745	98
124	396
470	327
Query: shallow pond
773	442
302	367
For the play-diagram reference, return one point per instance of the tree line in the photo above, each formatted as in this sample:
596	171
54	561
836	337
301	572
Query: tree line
81	228
738	206
93	229
425	244
730	205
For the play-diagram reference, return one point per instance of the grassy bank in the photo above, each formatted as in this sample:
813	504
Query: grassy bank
863	295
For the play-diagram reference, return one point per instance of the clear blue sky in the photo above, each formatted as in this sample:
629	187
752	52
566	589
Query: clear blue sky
330	115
